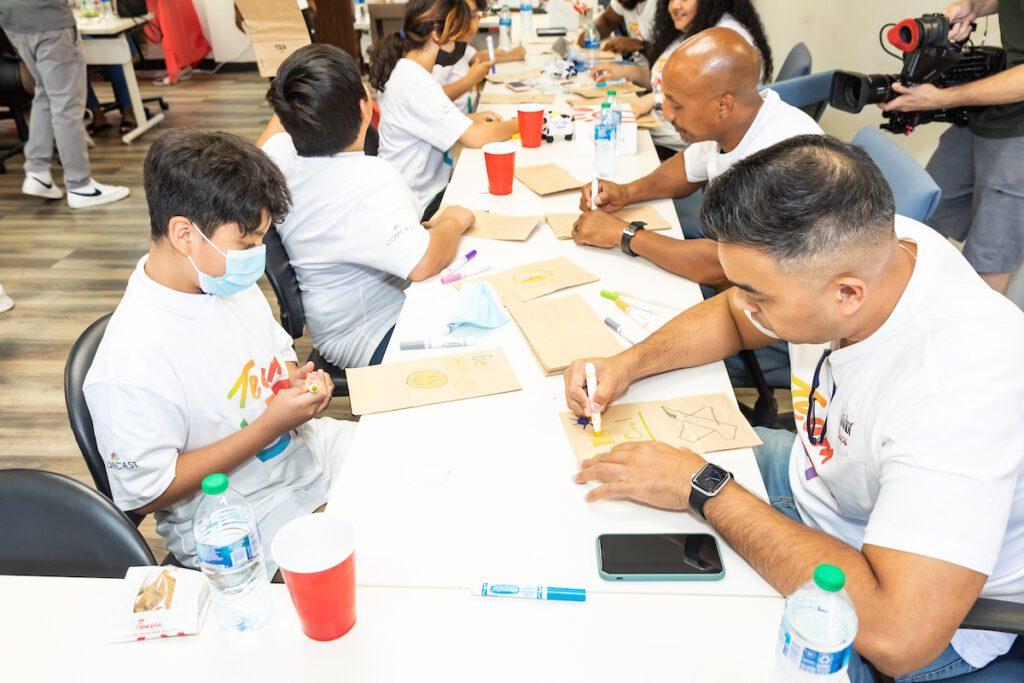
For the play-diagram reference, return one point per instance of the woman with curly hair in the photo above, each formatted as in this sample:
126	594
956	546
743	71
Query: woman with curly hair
674	22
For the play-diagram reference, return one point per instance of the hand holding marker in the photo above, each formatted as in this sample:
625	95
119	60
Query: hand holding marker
591	374
469	256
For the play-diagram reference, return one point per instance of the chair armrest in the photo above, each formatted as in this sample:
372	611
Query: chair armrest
996	615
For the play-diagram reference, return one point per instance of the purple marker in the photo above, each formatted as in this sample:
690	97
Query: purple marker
458	264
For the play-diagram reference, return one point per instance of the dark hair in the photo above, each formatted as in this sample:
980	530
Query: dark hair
709	13
316	95
211	178
805	197
450	18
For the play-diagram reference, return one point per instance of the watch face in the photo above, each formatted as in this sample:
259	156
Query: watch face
711	478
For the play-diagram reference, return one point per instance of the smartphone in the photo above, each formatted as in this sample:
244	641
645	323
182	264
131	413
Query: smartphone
659	557
517	86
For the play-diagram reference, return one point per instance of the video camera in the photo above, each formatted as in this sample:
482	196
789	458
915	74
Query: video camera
928	57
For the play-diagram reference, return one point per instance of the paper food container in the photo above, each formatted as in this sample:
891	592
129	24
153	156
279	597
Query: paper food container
159	602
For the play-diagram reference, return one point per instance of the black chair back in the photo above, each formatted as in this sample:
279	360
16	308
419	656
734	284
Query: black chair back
372	142
285	284
56	526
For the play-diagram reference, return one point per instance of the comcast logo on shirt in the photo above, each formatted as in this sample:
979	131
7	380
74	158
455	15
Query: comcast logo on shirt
115	463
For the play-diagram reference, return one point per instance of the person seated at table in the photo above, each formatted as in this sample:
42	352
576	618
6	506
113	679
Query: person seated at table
354	235
461	79
674	22
711	98
638	18
418	122
907	467
99	123
194	375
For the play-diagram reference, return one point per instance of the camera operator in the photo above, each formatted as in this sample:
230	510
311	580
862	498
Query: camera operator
979	168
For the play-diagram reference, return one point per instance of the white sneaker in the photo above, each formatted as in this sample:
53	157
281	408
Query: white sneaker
95	194
39	185
6	302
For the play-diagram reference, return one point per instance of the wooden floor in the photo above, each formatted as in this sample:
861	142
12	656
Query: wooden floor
65	269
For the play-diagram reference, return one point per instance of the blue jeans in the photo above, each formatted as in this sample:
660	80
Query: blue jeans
773	461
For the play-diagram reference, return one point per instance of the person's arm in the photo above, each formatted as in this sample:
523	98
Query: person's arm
445	231
605	24
480	133
290	408
1005	87
641	75
476	74
696	260
624	44
273	128
668	181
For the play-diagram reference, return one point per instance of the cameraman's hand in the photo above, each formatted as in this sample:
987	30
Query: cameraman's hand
918	98
960	15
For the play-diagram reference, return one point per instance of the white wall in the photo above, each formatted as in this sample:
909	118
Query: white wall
843	34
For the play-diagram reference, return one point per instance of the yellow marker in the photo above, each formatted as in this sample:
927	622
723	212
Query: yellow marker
591	374
313	387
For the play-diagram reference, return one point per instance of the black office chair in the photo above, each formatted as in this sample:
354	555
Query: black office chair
289	299
16	92
56	526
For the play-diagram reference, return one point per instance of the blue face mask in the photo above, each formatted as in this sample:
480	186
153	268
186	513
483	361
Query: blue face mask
243	267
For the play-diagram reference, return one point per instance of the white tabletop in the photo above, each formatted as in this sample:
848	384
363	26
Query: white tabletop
55	630
110	26
443	494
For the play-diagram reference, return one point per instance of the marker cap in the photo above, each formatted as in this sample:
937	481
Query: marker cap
567	594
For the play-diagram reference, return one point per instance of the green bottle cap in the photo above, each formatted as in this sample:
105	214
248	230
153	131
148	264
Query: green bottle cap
612	93
606	105
829	577
215	484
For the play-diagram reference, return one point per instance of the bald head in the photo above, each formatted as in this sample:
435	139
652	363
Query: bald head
718	60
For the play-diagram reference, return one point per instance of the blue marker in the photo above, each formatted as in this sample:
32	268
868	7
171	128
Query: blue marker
617	81
529	592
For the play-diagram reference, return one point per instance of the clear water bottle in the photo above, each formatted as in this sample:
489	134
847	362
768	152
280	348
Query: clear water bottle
606	137
361	10
231	556
616	108
525	20
106	9
505	28
817	631
591	45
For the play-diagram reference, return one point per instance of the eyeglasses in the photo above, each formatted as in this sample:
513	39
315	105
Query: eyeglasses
818	439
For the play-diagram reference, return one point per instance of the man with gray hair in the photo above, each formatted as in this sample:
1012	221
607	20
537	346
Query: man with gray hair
907	468
45	36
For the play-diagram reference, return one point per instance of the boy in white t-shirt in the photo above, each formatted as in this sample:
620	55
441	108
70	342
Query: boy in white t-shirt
194	376
638	18
354	235
719	129
907	468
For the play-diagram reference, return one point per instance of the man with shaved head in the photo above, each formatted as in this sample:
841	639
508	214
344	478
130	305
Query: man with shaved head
712	100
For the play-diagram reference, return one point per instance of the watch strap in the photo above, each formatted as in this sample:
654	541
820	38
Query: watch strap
627	237
699	498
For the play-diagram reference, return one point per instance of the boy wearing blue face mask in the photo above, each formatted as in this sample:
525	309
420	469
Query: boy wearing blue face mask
194	375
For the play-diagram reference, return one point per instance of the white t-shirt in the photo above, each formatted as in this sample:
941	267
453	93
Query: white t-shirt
666	135
639	22
924	451
449	74
775	121
418	124
176	372
353	236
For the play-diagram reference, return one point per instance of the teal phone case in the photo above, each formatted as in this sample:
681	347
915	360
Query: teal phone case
658	577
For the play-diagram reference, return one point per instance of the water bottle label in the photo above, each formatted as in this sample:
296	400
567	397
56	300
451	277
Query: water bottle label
592	44
603	133
813	661
230	556
505	21
525	7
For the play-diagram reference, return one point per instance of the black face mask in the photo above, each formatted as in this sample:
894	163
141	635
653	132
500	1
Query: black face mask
450	58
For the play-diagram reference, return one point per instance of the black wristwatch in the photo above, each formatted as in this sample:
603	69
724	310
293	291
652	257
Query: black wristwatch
705	485
627	237
645	46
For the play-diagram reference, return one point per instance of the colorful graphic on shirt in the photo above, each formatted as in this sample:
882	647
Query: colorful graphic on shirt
251	385
801	402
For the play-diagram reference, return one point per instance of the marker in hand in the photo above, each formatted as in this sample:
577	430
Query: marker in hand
593	193
616	81
312	388
591	374
490	53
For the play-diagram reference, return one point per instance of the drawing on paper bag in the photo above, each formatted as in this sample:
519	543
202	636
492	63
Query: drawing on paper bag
426	379
703	424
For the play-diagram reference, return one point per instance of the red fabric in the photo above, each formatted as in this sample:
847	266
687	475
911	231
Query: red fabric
177	27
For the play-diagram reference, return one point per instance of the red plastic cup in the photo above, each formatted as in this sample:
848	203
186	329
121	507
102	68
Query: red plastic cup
500	158
316	554
531	124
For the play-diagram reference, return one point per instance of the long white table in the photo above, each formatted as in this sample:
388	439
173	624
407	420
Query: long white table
107	44
445	494
54	630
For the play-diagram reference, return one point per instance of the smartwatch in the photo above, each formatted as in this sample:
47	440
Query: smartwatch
705	485
627	237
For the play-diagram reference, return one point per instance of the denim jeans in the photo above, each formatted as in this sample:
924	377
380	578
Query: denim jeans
773	461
